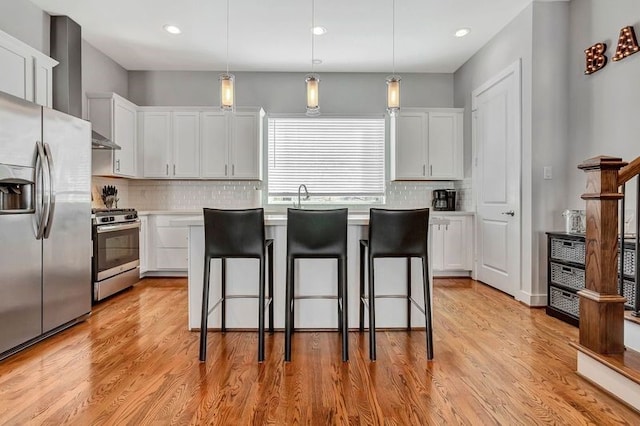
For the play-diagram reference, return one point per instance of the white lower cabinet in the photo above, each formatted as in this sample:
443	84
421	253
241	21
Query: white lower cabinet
166	245
452	244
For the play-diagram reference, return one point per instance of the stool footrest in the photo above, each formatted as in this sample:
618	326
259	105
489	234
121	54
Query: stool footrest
317	297
418	305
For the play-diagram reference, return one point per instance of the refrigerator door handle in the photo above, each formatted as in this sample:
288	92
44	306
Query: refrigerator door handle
43	167
52	191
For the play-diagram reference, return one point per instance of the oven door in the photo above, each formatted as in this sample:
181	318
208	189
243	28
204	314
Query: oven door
116	249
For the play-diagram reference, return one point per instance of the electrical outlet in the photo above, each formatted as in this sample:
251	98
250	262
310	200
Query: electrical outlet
547	173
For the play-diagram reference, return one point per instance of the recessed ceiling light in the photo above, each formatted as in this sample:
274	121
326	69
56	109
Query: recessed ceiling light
319	30
317	61
172	29
463	32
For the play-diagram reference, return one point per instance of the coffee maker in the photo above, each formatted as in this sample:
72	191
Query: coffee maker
444	199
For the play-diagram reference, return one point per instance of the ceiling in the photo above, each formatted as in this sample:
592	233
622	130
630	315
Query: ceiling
274	35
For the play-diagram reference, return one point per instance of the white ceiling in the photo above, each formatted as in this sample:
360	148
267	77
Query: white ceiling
274	35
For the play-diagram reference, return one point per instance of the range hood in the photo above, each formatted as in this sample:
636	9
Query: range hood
100	142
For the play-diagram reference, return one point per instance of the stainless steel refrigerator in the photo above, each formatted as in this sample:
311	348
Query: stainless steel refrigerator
45	222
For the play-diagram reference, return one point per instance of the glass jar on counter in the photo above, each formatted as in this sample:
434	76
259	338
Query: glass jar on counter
574	221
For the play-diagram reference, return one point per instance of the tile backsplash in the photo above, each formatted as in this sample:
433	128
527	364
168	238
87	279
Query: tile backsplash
195	194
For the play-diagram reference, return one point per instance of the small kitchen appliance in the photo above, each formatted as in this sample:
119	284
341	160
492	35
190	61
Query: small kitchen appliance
444	199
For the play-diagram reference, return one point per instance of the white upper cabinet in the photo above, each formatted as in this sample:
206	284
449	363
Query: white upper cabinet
171	143
232	144
193	143
427	144
25	72
186	144
155	135
215	148
246	146
115	118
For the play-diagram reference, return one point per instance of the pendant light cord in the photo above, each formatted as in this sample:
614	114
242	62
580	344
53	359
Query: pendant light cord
393	38
313	25
228	36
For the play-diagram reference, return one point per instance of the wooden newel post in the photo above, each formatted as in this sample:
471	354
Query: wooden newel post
601	307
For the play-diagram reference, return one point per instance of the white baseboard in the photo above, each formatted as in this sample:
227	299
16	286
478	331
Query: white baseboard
533	300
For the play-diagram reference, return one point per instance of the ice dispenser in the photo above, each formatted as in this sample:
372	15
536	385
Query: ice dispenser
16	189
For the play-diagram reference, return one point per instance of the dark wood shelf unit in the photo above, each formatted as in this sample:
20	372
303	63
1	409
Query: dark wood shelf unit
565	275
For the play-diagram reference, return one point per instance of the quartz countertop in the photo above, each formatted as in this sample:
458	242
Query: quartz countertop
270	212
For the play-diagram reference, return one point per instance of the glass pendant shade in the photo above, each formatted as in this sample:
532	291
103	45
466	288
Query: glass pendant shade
313	105
227	92
393	94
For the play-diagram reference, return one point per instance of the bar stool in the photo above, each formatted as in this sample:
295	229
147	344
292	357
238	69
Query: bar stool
230	234
317	234
396	233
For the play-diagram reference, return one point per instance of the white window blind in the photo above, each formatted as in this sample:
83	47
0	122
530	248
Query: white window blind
341	157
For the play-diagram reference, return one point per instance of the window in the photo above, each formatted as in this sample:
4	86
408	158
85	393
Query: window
340	160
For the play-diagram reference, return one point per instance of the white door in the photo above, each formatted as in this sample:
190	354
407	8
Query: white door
445	145
496	131
454	244
156	137
214	145
245	148
410	146
125	133
186	144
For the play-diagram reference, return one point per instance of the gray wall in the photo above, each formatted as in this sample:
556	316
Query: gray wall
549	130
605	106
512	43
101	74
26	22
343	93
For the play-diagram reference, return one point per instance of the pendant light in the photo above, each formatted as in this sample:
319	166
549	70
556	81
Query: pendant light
227	81
312	80
393	81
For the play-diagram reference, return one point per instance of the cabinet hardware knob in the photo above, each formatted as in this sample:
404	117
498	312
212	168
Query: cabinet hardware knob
167	170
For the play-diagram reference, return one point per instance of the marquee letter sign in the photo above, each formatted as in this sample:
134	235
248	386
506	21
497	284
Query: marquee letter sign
595	55
595	58
627	44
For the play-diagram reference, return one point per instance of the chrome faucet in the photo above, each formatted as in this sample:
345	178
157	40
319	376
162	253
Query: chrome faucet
306	197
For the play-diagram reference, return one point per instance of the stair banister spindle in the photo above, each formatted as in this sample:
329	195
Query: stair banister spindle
637	265
622	248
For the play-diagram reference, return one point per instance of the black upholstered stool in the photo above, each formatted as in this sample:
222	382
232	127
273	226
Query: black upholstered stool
232	234
396	233
317	234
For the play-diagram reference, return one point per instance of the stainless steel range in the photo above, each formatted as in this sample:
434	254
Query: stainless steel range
116	251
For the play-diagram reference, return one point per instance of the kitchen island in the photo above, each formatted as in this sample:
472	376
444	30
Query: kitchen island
317	276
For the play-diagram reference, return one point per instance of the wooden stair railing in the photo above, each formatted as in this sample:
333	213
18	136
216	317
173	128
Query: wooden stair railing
633	295
601	306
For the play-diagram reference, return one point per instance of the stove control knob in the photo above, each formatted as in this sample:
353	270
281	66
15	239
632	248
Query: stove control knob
104	219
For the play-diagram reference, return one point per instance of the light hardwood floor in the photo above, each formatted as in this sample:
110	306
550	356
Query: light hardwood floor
134	362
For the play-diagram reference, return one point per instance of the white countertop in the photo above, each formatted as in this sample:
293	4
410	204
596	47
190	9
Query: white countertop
271	220
356	213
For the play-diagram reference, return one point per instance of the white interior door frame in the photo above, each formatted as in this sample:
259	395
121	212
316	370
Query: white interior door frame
515	70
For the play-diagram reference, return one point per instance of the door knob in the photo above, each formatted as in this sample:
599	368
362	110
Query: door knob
510	213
